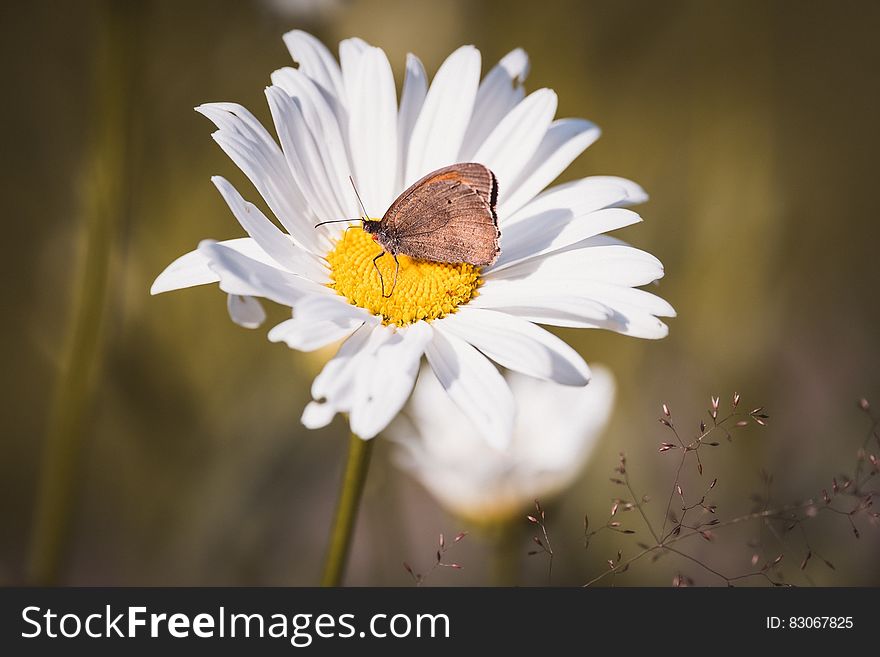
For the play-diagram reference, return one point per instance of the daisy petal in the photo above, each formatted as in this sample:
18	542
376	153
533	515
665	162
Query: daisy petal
635	194
245	311
519	345
387	379
592	260
303	154
611	295
372	129
278	245
336	382
316	61
635	324
618	296
192	268
582	196
523	300
439	130
308	334
248	144
564	141
324	125
317	414
350	51
499	92
584	305
412	97
319	321
474	385
514	140
556	229
245	276
234	118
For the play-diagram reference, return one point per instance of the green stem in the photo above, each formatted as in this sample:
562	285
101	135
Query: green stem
346	512
103	200
506	553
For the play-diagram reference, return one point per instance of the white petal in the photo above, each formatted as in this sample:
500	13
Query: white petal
439	130
245	311
317	414
557	229
238	120
303	155
635	194
315	61
594	410
245	276
372	129
308	335
192	268
278	245
589	261
386	379
530	301
580	306
335	383
432	410
324	126
582	196
499	92
616	296
350	51
558	427
319	321
519	345
412	97
332	307
248	144
564	141
610	294
514	140
474	385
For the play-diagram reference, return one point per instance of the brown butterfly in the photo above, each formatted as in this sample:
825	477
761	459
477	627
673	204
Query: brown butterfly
447	216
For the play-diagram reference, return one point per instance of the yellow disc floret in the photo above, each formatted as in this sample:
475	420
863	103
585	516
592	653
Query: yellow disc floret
424	289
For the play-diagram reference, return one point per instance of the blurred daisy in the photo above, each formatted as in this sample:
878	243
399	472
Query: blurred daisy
556	267
555	431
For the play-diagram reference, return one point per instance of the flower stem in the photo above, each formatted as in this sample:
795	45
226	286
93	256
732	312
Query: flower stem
346	511
104	201
506	551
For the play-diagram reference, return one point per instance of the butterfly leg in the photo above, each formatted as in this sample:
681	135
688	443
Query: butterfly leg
378	271
396	271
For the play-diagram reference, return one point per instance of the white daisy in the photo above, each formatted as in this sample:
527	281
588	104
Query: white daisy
556	267
554	434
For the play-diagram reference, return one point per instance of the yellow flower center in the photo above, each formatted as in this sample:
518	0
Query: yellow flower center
424	289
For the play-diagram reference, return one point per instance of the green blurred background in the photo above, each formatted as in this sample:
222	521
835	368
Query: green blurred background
752	124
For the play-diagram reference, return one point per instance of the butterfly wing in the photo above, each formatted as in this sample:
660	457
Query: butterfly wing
447	216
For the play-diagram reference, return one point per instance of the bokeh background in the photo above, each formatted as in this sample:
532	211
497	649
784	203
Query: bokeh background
752	124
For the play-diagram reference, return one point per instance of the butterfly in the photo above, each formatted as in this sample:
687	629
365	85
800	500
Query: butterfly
447	216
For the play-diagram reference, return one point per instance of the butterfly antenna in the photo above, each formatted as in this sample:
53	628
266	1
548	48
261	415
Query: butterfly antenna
366	216
336	221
